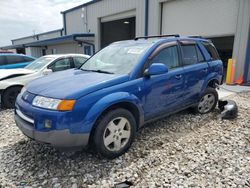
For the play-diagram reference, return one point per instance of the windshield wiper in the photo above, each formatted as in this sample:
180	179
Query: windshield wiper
99	71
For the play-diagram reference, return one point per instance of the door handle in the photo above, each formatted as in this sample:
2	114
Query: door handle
179	76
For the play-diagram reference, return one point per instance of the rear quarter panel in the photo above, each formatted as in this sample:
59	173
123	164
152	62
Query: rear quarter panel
215	73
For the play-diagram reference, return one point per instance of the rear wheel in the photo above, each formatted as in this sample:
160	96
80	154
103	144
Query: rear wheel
208	101
114	133
9	97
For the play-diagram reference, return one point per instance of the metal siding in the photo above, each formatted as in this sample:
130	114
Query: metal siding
241	38
33	51
74	22
42	36
24	40
206	17
102	9
49	35
154	17
65	48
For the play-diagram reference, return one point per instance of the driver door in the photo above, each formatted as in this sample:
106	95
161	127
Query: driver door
164	92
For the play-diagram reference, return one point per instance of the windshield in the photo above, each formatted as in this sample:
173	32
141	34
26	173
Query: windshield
116	58
39	63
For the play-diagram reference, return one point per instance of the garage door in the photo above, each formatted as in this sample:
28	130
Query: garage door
200	17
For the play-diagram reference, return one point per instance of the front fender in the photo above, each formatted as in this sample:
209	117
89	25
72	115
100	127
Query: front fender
109	100
6	84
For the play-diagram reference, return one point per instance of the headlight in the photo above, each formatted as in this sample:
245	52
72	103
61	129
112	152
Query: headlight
53	104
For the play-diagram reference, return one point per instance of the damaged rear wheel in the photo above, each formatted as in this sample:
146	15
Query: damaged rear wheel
207	101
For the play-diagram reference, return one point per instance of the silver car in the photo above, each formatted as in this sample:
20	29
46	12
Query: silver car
12	80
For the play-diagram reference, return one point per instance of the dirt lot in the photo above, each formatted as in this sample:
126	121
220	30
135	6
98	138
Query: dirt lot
183	150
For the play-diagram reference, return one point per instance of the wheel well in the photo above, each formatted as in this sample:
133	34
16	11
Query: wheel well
212	83
125	105
11	87
3	93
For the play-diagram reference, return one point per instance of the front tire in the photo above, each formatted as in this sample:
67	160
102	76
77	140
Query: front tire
9	97
114	133
207	101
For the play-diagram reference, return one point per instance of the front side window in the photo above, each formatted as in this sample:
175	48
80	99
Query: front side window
118	58
168	56
60	65
189	54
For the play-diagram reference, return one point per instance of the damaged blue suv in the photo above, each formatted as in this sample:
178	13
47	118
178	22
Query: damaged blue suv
123	86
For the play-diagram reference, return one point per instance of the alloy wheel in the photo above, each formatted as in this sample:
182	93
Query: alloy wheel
117	134
206	103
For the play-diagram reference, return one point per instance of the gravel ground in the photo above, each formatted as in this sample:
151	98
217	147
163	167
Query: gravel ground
183	150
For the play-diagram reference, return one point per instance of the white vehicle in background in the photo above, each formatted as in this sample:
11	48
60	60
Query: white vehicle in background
12	80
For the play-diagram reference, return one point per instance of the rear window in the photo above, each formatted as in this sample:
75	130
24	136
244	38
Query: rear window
14	59
211	50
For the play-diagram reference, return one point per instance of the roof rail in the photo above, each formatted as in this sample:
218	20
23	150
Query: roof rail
157	36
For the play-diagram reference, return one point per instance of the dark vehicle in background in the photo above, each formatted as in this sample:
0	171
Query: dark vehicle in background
12	61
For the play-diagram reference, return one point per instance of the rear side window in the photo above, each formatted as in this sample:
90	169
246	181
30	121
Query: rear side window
189	54
168	56
211	50
14	59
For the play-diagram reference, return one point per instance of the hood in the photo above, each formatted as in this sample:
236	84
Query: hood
73	84
12	73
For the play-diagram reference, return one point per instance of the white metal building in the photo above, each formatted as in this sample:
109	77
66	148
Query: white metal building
101	22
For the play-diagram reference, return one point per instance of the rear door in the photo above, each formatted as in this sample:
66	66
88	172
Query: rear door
163	93
195	70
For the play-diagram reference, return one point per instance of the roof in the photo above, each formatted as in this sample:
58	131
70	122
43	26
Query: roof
80	6
59	39
12	47
65	55
67	38
48	32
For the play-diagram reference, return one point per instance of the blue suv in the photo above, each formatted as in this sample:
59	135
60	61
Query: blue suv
12	61
119	89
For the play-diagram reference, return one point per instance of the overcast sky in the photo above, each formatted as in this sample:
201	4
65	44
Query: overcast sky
19	18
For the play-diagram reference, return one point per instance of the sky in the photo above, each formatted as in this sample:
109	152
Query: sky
20	18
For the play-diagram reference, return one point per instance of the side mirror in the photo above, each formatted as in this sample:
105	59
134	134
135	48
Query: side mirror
47	71
156	69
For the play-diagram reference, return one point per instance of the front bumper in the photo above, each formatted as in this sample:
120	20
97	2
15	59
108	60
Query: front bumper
56	138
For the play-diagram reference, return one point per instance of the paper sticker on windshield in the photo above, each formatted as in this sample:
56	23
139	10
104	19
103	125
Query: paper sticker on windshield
135	51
